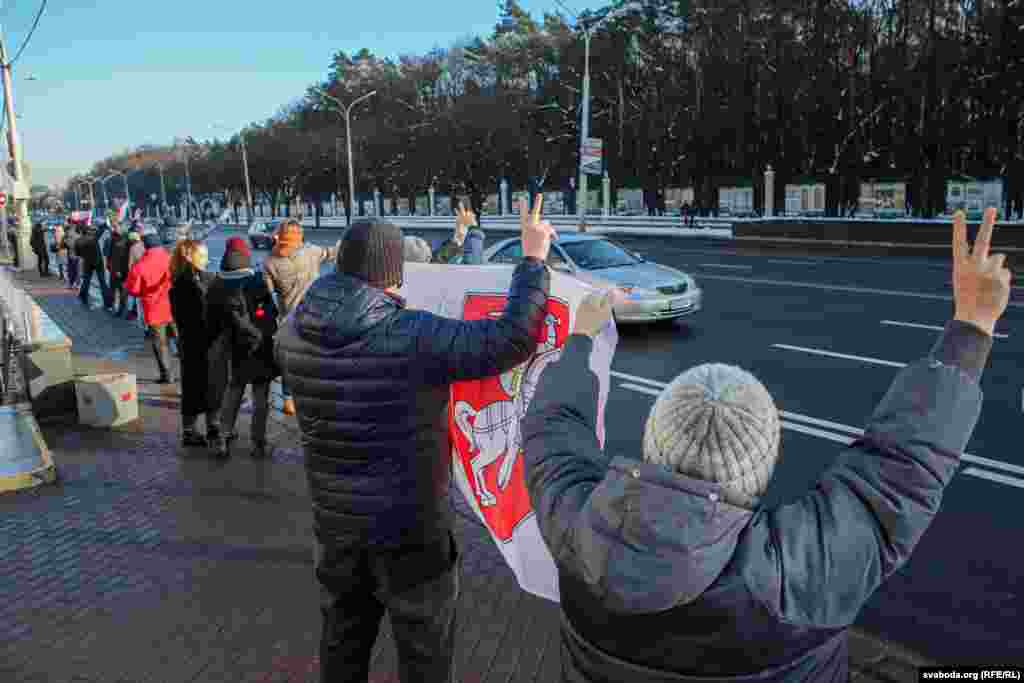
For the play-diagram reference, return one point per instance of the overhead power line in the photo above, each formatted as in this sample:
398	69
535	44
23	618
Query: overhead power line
32	30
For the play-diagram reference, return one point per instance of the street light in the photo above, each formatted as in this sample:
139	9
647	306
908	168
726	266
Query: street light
188	185
347	113
588	30
245	166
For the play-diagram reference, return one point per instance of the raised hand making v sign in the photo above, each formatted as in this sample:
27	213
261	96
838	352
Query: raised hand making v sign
536	234
981	283
464	220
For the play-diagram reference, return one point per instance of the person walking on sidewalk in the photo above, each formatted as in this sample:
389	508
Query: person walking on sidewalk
118	265
41	249
150	281
241	312
71	235
136	251
289	270
60	252
88	248
371	382
672	570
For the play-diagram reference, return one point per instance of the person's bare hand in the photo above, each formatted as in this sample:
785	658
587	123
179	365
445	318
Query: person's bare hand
536	234
464	220
595	311
981	283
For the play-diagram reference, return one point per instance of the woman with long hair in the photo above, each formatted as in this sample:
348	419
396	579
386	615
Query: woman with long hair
202	380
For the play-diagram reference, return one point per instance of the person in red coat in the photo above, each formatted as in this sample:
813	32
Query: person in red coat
150	281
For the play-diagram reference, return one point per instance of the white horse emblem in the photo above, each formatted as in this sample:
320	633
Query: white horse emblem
493	431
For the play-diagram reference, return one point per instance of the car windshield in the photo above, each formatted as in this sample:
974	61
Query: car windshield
596	254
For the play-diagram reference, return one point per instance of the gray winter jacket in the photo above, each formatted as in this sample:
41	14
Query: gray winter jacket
290	276
661	581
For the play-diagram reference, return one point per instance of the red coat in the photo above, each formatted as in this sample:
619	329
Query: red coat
150	280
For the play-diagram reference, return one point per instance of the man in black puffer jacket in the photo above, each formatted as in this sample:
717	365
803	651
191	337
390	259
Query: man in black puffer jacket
370	380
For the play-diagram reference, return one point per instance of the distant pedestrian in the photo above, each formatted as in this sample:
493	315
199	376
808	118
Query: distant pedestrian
289	271
202	382
242	313
40	248
60	251
150	281
118	265
136	250
89	250
71	235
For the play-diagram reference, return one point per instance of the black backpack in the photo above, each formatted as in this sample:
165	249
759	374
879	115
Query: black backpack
263	309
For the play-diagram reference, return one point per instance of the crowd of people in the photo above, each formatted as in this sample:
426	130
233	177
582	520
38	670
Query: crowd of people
670	568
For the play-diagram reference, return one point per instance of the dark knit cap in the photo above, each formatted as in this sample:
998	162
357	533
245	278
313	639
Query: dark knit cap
237	255
374	252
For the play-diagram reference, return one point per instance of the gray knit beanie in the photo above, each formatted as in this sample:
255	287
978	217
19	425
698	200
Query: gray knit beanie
417	250
716	423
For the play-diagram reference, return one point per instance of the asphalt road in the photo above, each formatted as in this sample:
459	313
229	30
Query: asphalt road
826	336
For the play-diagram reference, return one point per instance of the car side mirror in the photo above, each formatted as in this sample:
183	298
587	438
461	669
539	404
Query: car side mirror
561	266
639	255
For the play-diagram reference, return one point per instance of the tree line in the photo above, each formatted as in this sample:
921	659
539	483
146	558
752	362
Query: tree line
684	93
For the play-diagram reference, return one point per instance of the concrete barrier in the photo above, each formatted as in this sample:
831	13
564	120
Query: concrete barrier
25	460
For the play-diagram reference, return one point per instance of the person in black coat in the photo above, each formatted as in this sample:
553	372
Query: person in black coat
203	367
241	313
371	380
38	244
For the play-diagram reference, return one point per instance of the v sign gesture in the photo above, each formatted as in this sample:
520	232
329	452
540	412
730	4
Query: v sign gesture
981	284
536	234
464	220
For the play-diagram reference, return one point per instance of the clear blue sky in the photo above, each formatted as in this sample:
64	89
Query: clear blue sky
114	74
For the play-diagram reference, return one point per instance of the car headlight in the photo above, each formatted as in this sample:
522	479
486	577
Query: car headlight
634	292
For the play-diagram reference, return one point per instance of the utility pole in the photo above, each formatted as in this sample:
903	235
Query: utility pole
248	186
585	125
26	257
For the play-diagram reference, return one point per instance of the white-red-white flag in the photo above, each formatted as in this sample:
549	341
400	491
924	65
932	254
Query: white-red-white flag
484	415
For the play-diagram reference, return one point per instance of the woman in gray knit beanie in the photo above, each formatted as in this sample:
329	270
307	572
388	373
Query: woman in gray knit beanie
716	423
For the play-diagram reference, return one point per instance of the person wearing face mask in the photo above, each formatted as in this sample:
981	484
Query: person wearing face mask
202	383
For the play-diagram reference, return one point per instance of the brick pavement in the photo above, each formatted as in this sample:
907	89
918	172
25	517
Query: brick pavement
147	562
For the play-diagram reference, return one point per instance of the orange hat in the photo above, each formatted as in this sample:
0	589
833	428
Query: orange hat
289	238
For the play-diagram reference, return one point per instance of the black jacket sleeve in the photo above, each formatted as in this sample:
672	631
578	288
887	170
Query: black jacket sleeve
561	454
830	550
455	350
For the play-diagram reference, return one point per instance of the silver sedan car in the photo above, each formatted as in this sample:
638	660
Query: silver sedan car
653	292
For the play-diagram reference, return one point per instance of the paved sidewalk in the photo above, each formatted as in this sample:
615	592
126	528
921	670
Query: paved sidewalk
148	562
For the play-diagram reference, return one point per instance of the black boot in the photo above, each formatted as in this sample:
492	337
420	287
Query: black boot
191	438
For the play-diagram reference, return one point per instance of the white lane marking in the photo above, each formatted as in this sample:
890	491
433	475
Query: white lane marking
833	354
837	288
937	328
787	262
854	431
724	265
994	476
634	378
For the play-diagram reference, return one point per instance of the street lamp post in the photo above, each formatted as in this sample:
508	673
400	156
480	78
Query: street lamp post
163	192
26	260
588	31
245	169
347	113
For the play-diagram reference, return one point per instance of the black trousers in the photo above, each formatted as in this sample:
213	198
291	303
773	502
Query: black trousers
88	270
419	588
118	295
43	261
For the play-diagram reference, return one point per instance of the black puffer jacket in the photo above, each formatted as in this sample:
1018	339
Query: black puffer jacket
371	381
231	301
661	581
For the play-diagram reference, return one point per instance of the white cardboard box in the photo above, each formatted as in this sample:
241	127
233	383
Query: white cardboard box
107	400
